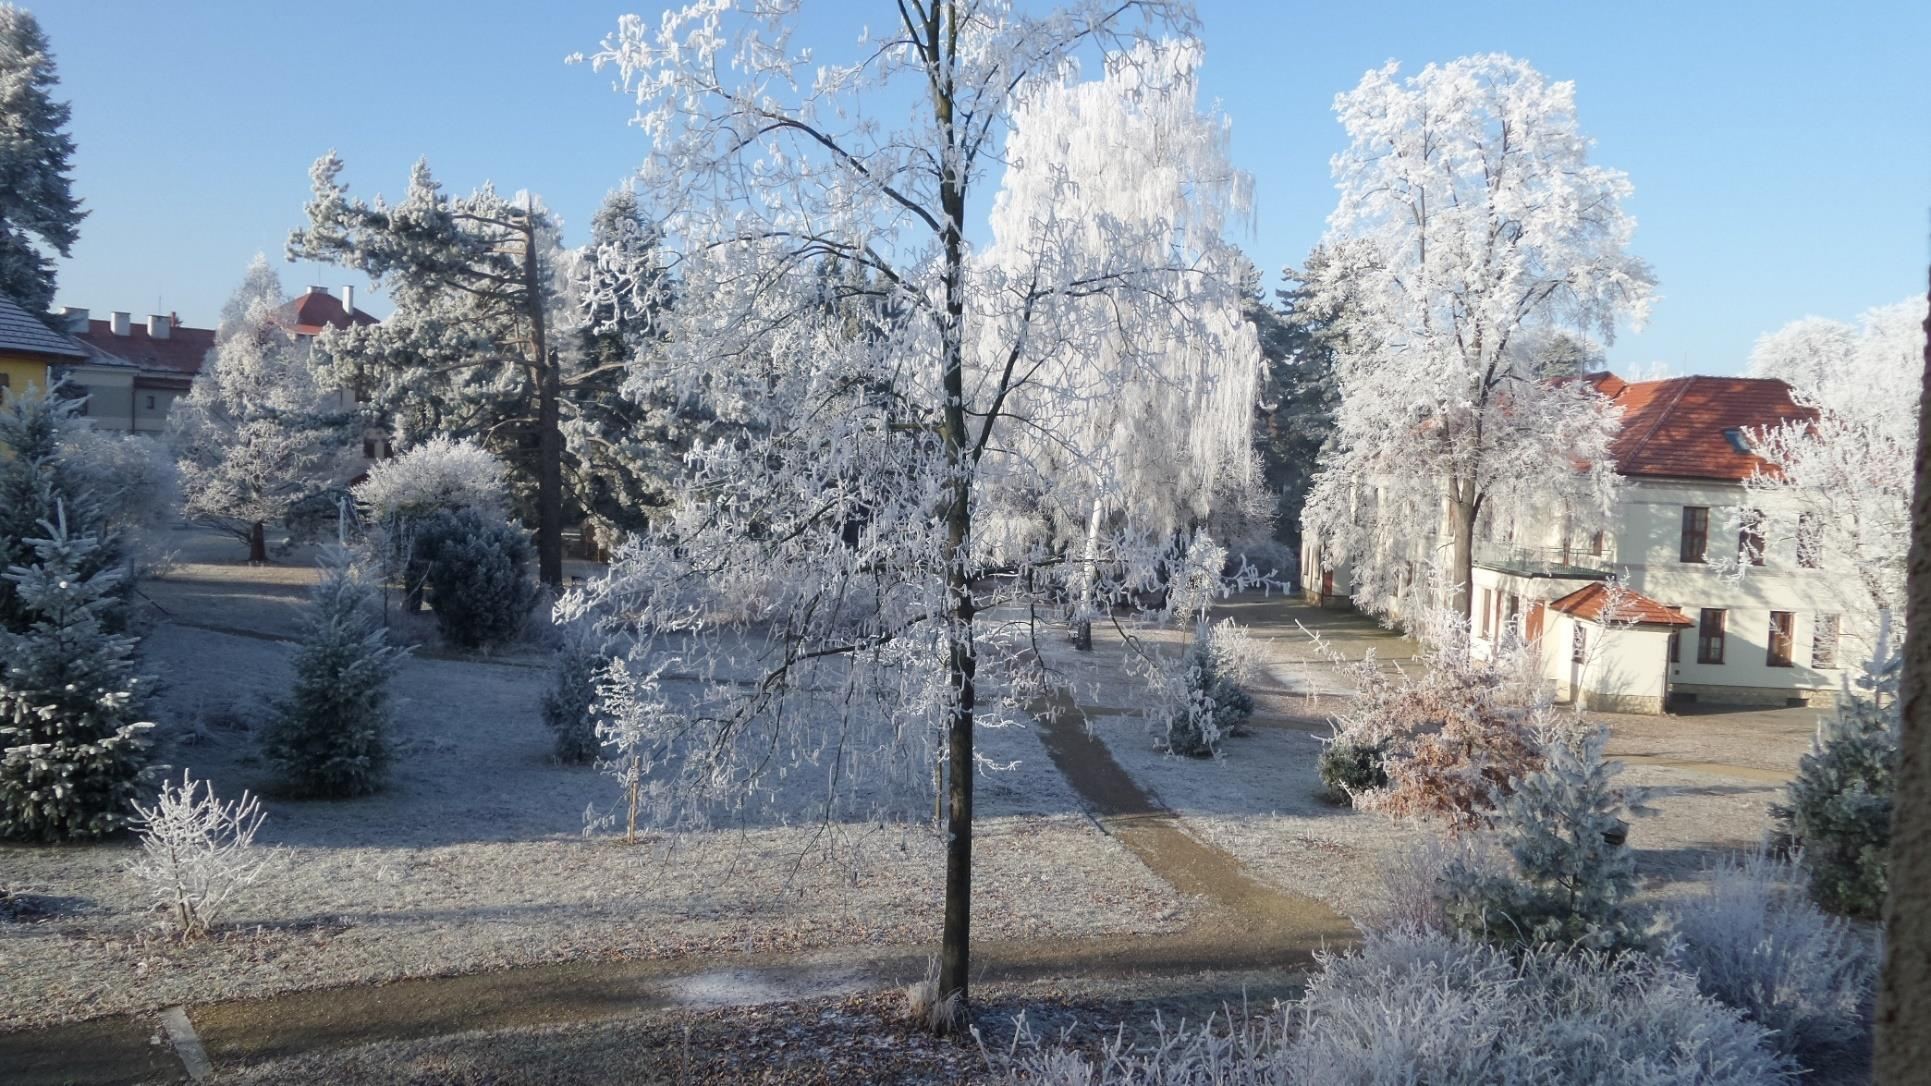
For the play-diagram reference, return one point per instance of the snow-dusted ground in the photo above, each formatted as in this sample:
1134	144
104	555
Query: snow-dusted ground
474	856
1712	775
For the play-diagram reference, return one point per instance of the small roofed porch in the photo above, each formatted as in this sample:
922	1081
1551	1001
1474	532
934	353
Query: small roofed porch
1607	647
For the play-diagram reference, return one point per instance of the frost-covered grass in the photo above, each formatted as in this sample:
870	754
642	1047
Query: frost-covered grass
473	857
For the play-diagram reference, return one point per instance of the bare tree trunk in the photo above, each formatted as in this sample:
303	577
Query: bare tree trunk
1461	553
956	943
549	430
1904	997
258	542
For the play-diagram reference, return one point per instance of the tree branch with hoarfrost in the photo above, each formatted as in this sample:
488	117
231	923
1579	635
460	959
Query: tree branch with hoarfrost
1846	473
1471	229
850	583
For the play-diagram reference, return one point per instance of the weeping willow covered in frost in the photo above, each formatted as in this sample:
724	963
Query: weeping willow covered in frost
848	586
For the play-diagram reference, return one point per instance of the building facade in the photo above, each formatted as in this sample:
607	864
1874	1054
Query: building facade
1694	591
30	351
132	372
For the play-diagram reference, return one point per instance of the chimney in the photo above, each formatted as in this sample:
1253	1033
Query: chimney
348	299
318	290
119	322
74	319
158	326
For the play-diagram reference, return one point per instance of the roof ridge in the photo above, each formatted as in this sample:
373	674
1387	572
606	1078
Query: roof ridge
1683	387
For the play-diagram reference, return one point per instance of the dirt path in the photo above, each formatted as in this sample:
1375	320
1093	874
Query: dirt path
1240	911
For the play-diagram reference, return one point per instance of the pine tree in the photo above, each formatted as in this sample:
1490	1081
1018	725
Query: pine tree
329	738
74	748
37	203
40	482
473	347
1838	808
1565	828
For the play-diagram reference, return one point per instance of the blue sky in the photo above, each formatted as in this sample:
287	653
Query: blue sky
1781	152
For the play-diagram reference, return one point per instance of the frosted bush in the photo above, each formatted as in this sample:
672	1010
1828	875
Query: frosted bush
1350	767
1453	734
478	566
1754	941
440	474
1416	882
197	852
1210	697
1415	1007
1419	1007
570	705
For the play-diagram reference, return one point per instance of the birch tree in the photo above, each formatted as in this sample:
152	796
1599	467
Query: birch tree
826	571
1474	225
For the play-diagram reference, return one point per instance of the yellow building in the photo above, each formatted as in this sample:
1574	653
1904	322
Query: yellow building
29	349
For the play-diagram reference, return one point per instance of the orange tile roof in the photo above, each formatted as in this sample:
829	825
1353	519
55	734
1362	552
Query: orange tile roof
308	314
1680	428
1627	606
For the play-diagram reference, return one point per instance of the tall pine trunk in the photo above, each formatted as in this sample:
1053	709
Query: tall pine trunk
956	942
549	430
258	542
1904	997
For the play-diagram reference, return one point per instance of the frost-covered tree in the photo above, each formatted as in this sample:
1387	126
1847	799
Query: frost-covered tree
41	482
197	852
891	408
329	736
636	727
401	494
478	568
1565	826
570	706
473	348
621	453
1471	225
258	434
73	749
132	484
1171	452
1299	332
38	208
1847	472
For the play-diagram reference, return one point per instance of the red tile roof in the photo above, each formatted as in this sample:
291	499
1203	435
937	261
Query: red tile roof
1627	606
310	313
1681	427
182	351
